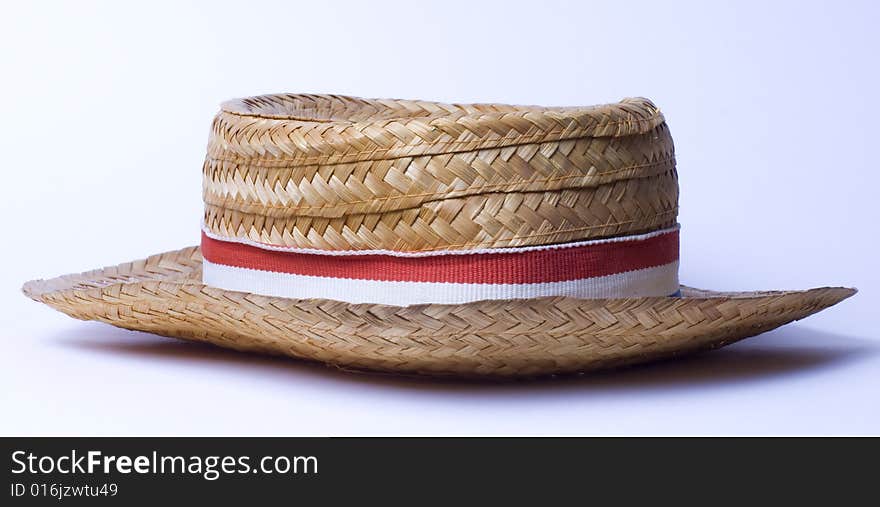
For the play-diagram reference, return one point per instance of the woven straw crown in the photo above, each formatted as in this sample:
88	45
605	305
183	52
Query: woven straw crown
342	173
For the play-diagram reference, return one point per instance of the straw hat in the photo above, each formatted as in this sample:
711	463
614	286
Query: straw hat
420	237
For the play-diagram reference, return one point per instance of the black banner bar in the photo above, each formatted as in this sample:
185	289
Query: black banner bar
336	470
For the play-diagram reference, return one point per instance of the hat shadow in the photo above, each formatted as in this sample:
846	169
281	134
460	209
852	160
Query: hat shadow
787	351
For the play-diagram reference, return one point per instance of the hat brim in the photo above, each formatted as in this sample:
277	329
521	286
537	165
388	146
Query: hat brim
163	294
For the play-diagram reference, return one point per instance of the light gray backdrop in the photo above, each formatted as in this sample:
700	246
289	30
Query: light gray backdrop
105	116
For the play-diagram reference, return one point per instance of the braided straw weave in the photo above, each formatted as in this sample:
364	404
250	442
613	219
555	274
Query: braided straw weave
342	173
164	294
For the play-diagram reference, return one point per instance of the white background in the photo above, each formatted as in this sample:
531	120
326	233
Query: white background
774	110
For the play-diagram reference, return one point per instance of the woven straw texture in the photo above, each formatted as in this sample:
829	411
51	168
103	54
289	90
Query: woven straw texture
344	173
163	294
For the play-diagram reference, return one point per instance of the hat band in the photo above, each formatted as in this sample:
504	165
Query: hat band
633	266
